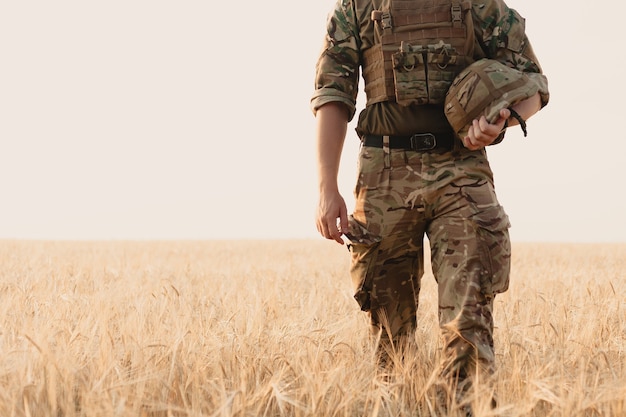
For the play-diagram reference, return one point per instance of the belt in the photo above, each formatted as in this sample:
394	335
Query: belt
416	142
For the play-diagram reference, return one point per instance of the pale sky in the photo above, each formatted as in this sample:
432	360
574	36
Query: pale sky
188	120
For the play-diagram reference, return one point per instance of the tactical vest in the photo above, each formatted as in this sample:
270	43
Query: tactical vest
420	46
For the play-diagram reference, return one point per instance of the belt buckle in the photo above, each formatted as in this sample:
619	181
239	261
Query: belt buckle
423	142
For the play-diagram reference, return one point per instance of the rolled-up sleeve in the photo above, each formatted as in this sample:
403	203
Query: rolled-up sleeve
503	38
337	69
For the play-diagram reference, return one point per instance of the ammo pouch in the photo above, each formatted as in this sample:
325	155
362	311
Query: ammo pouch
419	47
422	74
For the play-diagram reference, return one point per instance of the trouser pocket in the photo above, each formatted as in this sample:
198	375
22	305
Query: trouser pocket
364	248
493	237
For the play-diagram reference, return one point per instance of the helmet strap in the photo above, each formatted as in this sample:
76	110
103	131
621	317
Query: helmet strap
521	121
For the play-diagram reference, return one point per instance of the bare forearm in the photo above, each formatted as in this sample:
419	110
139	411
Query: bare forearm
526	109
332	122
332	216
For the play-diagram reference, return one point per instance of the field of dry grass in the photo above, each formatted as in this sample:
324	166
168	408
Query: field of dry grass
270	329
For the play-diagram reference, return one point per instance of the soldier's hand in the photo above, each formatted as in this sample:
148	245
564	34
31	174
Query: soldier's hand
332	216
482	133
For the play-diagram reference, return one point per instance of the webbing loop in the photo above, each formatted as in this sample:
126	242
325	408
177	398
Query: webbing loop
457	14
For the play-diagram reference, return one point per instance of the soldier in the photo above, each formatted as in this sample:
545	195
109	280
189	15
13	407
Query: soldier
417	175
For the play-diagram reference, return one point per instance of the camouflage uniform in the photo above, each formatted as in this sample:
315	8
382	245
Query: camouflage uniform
445	194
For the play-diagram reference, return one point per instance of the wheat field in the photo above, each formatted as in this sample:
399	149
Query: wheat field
269	328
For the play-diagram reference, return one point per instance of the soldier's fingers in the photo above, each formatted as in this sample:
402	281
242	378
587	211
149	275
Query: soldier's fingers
483	125
467	142
327	227
490	130
482	131
321	227
343	221
471	142
333	234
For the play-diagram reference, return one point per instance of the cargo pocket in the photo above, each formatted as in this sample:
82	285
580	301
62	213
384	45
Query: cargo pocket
495	246
423	74
442	69
410	80
364	249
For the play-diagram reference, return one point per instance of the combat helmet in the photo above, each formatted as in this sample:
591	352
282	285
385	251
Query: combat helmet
484	88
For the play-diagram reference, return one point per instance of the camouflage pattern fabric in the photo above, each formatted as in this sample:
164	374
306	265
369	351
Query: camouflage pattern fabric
448	196
401	196
484	88
350	31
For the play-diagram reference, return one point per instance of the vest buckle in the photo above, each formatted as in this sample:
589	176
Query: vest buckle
385	21
457	15
383	18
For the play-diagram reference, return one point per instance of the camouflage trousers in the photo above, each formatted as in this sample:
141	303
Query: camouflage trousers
401	196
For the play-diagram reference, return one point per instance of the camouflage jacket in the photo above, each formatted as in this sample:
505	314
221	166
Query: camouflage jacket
499	34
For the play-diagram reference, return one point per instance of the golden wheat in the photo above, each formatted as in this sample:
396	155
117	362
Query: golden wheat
269	328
